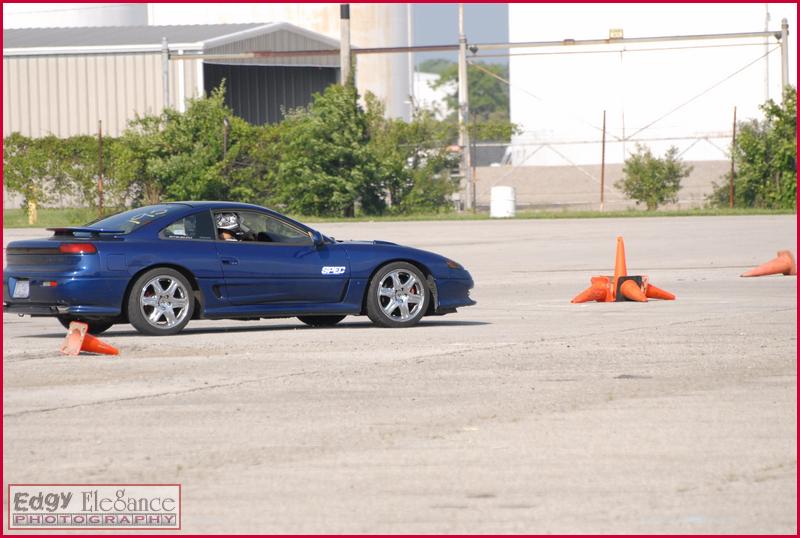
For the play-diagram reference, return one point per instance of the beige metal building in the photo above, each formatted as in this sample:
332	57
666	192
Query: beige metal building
63	80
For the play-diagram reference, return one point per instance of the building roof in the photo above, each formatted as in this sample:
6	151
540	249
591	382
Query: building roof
117	35
104	39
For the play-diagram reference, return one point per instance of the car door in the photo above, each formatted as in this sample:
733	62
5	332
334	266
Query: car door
190	241
275	262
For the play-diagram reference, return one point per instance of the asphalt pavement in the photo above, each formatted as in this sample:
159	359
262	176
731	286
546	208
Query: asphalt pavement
523	414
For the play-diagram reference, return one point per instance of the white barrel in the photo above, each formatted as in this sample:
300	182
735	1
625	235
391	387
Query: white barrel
503	203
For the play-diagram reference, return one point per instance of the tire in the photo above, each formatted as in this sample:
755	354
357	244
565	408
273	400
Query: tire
161	302
321	321
395	300
95	327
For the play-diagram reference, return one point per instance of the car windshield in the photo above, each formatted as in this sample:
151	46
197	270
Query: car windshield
128	221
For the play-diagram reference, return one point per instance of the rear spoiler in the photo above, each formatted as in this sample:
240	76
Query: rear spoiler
72	230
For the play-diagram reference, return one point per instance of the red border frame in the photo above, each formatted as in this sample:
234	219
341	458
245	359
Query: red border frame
674	2
58	529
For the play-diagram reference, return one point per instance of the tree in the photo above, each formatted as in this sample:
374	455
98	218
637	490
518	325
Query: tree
332	159
325	165
765	154
180	156
414	157
652	180
488	96
434	65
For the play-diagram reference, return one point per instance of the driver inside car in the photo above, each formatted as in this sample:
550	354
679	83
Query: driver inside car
231	228
228	227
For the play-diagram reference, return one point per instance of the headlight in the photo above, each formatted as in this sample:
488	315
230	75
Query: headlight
453	265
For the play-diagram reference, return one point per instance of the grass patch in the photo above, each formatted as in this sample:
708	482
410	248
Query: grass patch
565	214
49	217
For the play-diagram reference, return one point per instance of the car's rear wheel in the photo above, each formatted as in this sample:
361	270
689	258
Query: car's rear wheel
95	327
160	302
397	296
321	321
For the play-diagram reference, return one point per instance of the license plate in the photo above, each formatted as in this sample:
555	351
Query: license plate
22	289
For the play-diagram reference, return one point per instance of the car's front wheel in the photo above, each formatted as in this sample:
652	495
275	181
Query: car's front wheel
95	327
398	296
160	302
321	321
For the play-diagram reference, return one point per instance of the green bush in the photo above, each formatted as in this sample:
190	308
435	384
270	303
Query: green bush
44	169
334	158
324	163
652	180
179	156
765	155
415	159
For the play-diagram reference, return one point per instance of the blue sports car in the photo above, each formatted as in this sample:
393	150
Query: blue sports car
157	267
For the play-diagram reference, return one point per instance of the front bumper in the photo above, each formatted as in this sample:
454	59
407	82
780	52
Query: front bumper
453	293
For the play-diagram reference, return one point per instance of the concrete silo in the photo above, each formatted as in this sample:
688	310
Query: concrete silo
371	25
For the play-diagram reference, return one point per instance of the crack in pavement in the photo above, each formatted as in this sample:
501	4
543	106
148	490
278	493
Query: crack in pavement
414	358
154	395
222	385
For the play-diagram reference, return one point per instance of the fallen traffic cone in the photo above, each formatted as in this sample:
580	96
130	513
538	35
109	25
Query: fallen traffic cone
621	286
78	339
653	292
632	292
782	264
590	294
598	291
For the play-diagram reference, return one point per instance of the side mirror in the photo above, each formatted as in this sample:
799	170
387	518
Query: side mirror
317	239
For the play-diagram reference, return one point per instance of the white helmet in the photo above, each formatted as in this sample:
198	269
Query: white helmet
228	221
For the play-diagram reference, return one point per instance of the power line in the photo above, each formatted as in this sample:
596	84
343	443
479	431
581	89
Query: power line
691	47
523	90
701	93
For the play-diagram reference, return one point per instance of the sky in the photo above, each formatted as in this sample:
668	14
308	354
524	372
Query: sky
437	24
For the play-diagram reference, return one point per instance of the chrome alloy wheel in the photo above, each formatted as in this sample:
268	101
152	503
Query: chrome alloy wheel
400	295
164	302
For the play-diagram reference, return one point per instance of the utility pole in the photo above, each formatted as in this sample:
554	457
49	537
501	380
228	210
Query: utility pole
100	167
731	191
410	40
344	48
603	167
165	70
784	55
766	53
463	110
226	127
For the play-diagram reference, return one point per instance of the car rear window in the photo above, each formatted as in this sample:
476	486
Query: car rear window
133	219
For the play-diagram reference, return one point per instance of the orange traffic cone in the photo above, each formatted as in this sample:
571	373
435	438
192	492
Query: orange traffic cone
782	264
78	339
652	292
620	267
590	294
598	291
631	291
621	287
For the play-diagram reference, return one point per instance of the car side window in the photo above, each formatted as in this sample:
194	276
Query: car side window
263	228
196	226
